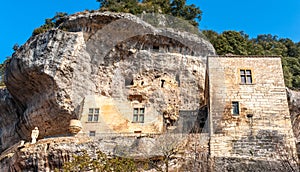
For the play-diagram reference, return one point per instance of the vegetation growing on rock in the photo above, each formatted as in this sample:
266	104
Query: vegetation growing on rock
50	23
84	162
176	8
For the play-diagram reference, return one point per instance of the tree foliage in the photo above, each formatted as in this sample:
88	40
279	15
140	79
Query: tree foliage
239	43
50	23
177	8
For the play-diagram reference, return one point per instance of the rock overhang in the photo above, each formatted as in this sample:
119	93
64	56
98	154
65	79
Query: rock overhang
49	76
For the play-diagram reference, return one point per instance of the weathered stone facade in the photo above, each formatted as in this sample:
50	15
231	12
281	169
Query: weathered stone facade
117	117
249	115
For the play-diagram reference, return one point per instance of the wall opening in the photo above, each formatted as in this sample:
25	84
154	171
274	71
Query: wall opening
162	83
178	79
129	81
92	133
235	108
156	48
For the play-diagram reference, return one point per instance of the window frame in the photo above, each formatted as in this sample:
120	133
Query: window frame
235	108
138	115
92	133
93	114
244	75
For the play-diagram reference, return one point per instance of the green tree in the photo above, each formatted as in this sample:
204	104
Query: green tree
156	6
231	42
288	76
50	23
127	6
292	50
177	8
211	35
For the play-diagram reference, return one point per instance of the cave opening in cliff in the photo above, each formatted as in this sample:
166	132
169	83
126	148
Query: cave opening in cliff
129	81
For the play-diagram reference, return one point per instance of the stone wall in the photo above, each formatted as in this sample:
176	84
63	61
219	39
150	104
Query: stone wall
262	128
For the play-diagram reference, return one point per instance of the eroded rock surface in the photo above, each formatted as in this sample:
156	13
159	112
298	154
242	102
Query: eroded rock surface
9	119
294	105
96	54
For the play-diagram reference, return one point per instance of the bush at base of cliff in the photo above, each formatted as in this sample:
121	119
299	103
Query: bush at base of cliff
101	162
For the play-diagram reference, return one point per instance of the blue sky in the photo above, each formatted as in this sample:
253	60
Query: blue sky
277	17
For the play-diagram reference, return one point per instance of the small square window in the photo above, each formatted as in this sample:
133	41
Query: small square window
93	115
92	133
235	108
246	76
138	115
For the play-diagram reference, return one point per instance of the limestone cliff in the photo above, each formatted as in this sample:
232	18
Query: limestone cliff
94	53
294	105
50	154
117	61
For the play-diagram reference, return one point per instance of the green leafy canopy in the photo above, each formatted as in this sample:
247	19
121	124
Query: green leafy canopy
176	8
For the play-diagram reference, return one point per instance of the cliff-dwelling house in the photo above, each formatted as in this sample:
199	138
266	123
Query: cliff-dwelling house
117	74
154	82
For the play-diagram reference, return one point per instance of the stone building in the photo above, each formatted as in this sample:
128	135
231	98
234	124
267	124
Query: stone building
249	114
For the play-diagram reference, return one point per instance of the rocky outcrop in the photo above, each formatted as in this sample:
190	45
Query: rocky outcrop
294	106
10	112
96	53
50	154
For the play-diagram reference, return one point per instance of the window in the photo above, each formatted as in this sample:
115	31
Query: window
235	108
93	115
156	48
138	115
178	79
246	76
92	133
